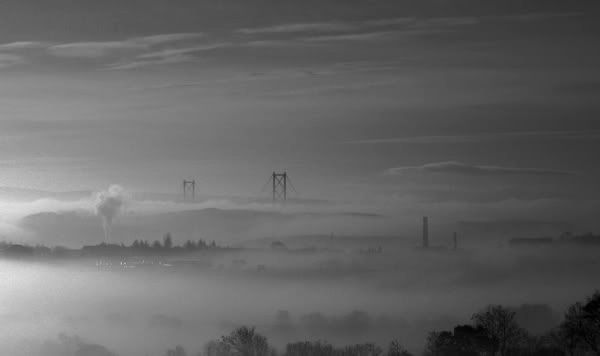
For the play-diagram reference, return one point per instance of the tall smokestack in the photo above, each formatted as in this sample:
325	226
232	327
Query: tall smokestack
425	232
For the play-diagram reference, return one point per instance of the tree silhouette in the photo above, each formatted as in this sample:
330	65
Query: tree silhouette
189	245
396	349
216	348
167	241
367	349
581	327
177	351
309	348
501	328
245	341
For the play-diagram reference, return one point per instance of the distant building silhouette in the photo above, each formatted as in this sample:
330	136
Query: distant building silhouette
455	240
530	241
425	232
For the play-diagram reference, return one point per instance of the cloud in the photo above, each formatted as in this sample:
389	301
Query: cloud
167	56
299	27
415	22
538	16
93	49
458	168
467	20
351	36
447	21
419	26
103	48
486	137
336	88
391	21
21	45
7	60
175	52
169	38
145	63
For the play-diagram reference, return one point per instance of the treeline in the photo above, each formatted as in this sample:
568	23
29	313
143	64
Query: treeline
493	331
166	246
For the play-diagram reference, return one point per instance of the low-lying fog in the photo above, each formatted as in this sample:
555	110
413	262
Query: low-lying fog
336	293
349	287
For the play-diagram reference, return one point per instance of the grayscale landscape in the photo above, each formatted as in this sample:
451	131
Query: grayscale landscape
299	178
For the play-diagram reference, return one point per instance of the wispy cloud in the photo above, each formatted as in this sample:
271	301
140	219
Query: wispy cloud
538	16
22	45
351	36
93	49
168	38
172	52
422	25
458	168
166	56
270	43
336	88
420	22
103	48
299	27
135	64
391	21
467	20
497	136
7	60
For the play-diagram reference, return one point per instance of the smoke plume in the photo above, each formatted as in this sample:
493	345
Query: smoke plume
109	204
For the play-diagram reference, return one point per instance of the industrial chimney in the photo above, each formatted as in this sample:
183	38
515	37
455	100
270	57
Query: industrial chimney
455	240
425	232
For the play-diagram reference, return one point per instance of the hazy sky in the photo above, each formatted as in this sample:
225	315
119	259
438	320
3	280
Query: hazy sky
439	101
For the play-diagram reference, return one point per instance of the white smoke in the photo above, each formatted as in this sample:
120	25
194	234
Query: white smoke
109	204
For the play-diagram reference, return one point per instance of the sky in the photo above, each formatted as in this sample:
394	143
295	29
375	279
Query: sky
488	108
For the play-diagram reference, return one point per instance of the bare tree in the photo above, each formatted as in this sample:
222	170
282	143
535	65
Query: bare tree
501	327
396	349
167	241
177	351
245	341
581	327
310	348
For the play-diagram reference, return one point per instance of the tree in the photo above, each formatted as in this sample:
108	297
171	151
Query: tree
156	244
469	340
581	327
309	348
177	351
437	343
245	341
167	241
465	341
278	245
501	328
216	348
367	349
396	349
189	245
